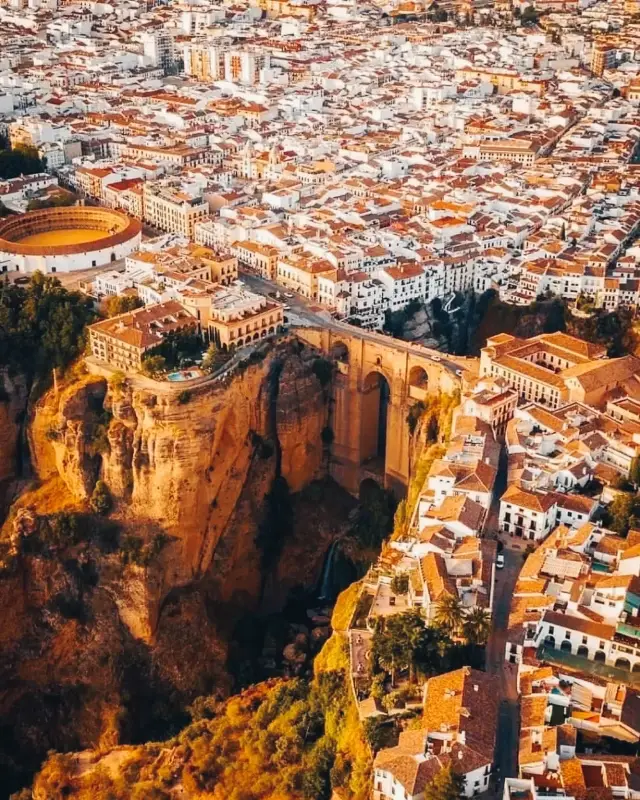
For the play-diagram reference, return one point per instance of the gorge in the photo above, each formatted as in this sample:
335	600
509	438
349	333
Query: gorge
157	532
98	607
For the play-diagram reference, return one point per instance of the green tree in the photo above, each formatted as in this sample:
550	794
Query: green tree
377	690
20	160
476	627
624	513
447	785
400	519
450	614
395	321
396	641
375	732
59	200
153	365
316	783
178	346
400	584
414	414
529	16
634	471
210	360
118	380
42	325
121	304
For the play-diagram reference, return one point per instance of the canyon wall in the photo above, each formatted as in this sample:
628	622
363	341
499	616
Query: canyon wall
114	624
13	403
186	463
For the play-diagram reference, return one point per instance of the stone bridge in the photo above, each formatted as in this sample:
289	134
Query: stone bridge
378	380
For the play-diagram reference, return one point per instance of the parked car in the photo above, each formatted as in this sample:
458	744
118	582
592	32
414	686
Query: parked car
499	561
288	294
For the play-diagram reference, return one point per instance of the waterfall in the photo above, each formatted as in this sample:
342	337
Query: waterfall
326	581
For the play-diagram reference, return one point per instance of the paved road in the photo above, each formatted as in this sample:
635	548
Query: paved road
506	753
506	756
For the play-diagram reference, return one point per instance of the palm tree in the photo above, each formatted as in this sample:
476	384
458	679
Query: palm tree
449	613
476	627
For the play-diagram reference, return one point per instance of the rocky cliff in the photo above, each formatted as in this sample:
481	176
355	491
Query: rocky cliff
185	463
113	624
13	402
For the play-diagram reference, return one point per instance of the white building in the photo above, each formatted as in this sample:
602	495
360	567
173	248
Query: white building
527	515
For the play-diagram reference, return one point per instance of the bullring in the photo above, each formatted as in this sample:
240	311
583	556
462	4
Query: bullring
66	239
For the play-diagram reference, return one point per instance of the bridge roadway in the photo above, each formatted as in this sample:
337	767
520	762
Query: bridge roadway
303	314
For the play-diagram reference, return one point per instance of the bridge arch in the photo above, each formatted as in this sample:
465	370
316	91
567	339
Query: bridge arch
377	380
374	419
339	351
418	383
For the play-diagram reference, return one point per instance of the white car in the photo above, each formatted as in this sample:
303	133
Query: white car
288	294
499	561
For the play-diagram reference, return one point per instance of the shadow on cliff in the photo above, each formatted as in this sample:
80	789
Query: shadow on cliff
221	513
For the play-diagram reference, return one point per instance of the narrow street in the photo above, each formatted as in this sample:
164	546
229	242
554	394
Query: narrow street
506	753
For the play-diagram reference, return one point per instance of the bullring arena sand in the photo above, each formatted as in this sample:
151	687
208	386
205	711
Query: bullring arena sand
64	236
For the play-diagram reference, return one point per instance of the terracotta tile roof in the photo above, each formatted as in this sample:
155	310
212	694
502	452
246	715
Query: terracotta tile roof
412	773
144	328
532	710
573	623
436	578
534	501
459	508
464	701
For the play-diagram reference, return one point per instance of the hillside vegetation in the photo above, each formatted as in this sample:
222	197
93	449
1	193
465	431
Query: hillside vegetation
42	325
278	740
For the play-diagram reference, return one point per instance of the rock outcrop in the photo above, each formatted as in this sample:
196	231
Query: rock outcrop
13	403
179	463
109	632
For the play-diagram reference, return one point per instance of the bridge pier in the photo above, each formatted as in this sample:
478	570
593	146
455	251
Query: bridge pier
364	361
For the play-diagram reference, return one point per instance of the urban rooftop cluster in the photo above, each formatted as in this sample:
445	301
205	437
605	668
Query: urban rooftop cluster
325	162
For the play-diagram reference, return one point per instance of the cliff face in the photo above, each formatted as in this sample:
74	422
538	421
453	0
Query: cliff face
13	402
113	629
184	465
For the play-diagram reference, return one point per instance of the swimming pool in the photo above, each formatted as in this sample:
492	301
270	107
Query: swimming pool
185	375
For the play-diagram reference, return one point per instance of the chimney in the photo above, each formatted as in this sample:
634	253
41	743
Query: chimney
460	755
475	687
